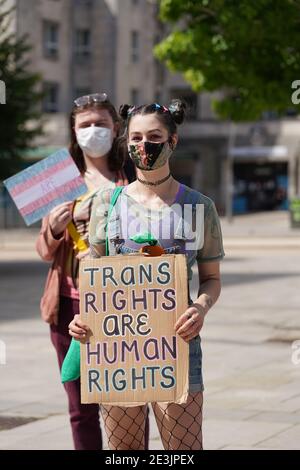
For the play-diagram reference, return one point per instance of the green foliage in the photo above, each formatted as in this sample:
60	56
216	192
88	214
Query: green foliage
248	49
22	98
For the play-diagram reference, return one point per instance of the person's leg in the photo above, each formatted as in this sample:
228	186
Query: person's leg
125	427
147	429
84	419
180	426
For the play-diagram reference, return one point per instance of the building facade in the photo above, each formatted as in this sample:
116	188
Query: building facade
85	46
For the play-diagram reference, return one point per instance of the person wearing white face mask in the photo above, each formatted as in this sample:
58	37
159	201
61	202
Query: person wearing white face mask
63	240
94	141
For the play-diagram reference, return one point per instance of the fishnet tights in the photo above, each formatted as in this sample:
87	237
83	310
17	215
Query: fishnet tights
180	426
125	427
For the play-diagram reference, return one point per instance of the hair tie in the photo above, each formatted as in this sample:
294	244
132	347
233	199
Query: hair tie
173	108
159	106
130	110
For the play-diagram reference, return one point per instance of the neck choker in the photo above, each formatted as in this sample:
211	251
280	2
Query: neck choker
154	183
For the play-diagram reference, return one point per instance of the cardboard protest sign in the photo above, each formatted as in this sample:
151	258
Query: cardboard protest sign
131	303
44	185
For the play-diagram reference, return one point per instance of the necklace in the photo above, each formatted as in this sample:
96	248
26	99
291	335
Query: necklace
154	183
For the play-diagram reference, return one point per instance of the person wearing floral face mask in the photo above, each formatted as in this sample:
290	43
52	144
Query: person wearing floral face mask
63	240
157	200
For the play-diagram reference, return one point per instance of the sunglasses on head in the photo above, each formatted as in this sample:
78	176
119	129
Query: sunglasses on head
90	99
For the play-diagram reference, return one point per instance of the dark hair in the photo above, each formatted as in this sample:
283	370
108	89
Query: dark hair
116	158
169	117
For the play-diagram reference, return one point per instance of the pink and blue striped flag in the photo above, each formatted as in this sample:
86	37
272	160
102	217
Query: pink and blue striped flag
46	184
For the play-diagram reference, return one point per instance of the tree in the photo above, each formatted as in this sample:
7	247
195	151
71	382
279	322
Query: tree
20	117
248	49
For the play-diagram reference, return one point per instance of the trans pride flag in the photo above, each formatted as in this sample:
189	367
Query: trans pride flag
44	185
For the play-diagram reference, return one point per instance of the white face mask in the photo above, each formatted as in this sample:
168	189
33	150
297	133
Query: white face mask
94	141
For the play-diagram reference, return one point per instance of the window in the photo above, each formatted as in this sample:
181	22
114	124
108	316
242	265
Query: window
50	39
83	43
51	99
135	97
269	115
191	99
291	113
2	92
135	46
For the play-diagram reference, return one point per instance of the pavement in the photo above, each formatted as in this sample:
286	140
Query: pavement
250	340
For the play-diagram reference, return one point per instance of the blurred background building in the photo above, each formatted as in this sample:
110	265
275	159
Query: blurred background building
86	46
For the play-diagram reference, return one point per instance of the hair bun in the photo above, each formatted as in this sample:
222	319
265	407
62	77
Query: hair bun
123	111
178	110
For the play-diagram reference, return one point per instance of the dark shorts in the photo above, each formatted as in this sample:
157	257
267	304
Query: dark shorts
195	366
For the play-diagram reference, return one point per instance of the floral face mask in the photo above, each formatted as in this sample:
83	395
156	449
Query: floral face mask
149	155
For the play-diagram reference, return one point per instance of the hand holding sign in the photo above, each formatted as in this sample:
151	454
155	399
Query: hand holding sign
78	329
190	323
44	185
60	217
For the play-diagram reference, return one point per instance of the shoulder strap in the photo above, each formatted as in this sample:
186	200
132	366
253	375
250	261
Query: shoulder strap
79	243
113	202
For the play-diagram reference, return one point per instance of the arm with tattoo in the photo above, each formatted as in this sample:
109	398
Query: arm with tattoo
210	286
